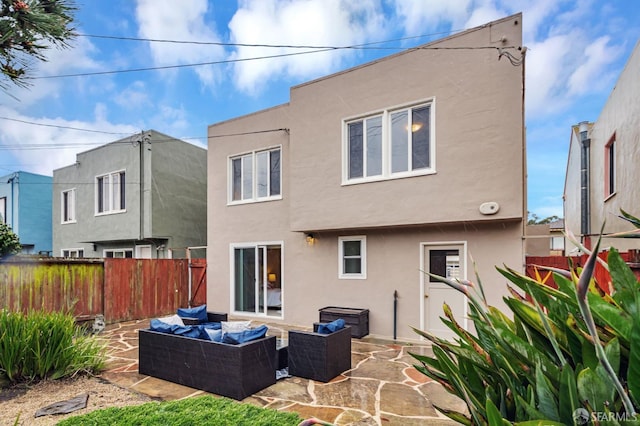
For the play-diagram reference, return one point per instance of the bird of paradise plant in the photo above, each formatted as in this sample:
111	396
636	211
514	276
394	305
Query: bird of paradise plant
563	356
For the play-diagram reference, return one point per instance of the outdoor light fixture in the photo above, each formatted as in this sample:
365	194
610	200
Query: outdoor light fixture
311	239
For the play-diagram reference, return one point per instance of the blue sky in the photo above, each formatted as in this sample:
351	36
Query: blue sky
576	51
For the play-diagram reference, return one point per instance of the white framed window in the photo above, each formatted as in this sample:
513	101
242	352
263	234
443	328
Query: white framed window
110	193
255	176
68	206
610	167
73	253
391	144
118	253
352	257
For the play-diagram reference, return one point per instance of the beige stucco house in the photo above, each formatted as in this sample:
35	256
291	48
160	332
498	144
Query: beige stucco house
602	169
367	177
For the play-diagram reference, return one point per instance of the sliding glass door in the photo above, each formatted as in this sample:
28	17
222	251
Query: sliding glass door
257	279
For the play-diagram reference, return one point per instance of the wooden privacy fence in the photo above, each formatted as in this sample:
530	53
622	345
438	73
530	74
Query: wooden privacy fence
120	289
601	275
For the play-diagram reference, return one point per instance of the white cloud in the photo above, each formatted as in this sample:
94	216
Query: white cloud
484	14
299	22
76	59
593	73
170	20
418	16
547	67
29	141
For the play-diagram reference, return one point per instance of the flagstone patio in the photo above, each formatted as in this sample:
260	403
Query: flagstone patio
382	388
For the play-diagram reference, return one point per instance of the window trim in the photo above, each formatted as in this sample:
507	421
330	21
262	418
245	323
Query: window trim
97	193
363	258
610	164
254	182
74	216
387	173
79	251
118	250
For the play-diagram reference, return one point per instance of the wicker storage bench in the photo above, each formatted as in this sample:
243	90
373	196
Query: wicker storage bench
317	356
357	318
234	371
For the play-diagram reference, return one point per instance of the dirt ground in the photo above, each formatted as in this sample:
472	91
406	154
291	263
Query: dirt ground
25	400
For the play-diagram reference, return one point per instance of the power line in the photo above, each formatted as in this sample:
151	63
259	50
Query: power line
230	61
61	127
63	145
287	46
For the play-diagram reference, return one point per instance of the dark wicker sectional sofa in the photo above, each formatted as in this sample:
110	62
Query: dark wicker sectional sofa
317	356
234	371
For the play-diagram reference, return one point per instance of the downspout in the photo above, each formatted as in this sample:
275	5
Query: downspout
141	183
12	180
585	203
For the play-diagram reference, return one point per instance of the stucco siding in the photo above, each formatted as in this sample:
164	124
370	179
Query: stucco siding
477	105
619	120
476	102
179	197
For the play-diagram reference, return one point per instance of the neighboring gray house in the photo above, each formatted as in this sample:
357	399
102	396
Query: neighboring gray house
144	196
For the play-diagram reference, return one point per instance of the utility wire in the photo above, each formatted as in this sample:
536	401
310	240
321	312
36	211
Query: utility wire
60	127
229	61
130	140
288	46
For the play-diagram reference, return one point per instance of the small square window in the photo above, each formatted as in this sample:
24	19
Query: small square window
352	257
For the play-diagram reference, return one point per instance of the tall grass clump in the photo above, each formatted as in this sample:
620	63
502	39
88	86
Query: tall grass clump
562	356
45	345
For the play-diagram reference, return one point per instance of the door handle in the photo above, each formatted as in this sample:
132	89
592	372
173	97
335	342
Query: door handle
426	295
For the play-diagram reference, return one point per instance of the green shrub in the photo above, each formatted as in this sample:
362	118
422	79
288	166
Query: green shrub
9	241
562	352
204	410
43	345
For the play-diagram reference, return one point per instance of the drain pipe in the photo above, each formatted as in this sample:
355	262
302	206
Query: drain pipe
585	204
395	313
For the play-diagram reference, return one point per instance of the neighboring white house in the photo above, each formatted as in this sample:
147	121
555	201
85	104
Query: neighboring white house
603	175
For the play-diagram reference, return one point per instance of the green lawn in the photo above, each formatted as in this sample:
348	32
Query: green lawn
204	410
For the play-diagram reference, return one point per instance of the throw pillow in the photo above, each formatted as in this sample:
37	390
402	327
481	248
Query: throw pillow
171	320
245	336
235	326
214	335
330	327
198	312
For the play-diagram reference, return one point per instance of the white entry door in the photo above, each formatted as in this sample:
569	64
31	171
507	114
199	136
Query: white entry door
446	260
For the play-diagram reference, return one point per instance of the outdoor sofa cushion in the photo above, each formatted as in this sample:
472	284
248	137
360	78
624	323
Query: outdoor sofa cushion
198	312
330	327
235	338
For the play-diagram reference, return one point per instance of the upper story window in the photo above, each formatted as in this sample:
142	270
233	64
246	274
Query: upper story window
610	167
68	206
352	254
392	144
110	193
255	176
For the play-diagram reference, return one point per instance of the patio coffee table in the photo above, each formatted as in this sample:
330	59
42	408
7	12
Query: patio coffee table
282	353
